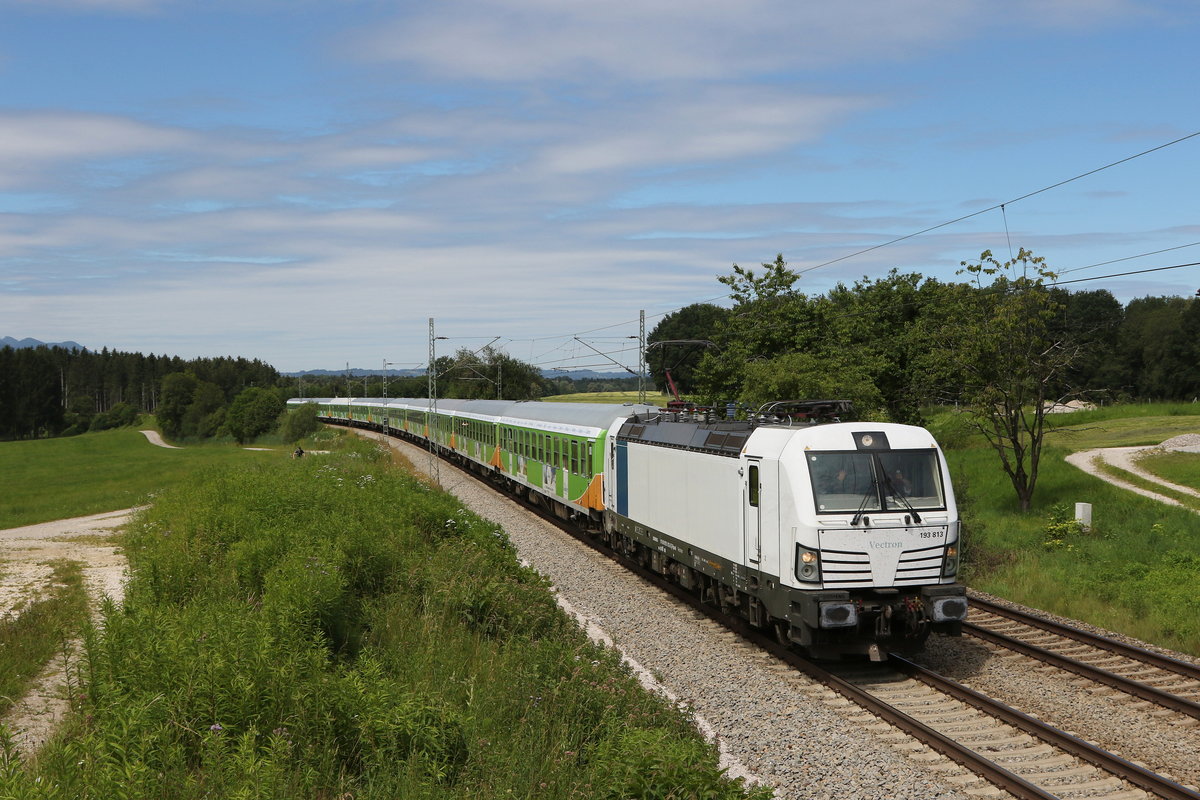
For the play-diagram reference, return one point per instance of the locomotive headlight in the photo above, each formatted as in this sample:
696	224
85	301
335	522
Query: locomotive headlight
808	566
950	565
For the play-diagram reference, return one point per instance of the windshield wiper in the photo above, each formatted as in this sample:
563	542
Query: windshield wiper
873	492
896	493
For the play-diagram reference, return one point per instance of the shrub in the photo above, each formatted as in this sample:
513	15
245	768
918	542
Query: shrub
253	412
642	763
1063	530
380	725
118	416
299	422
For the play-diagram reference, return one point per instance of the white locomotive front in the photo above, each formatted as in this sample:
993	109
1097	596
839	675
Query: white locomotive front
843	536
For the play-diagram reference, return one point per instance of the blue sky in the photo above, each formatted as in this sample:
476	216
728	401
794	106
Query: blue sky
309	182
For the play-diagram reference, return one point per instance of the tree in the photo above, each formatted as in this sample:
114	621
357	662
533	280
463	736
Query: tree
1092	321
696	323
206	412
808	376
177	392
1159	348
874	324
488	374
769	318
299	422
253	412
995	351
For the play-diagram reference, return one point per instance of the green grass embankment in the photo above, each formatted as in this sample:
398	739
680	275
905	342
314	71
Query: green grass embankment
49	479
1180	468
330	627
652	396
1137	569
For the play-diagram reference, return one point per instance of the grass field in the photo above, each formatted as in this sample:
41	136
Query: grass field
95	472
1135	571
606	397
332	628
1181	468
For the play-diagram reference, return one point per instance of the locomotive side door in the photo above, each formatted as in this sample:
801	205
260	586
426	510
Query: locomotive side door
752	511
760	495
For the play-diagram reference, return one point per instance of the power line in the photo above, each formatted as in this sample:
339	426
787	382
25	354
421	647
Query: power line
1025	196
1123	274
1128	258
1001	206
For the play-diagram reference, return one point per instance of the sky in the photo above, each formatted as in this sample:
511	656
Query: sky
310	182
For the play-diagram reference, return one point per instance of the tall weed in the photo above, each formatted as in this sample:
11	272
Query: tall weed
327	627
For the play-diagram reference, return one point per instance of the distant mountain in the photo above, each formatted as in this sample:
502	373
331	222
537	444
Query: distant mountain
585	375
18	344
355	372
358	372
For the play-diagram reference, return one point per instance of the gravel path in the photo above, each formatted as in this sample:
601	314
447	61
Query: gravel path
25	555
1126	458
156	438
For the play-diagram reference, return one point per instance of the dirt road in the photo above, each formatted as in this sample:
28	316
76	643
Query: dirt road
1126	458
25	557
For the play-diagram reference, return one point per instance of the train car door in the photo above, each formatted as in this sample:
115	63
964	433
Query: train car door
761	511
752	495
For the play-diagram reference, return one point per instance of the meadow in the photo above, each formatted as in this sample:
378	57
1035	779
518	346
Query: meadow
1135	571
330	627
48	479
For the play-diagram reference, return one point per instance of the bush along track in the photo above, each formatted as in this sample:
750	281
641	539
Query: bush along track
332	628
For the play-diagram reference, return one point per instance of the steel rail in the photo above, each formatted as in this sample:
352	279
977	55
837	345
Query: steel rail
1112	679
1115	765
1120	648
964	756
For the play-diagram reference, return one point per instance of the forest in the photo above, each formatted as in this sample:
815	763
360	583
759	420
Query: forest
892	345
53	391
896	343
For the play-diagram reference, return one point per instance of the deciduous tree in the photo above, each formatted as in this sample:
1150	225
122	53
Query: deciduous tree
253	412
995	353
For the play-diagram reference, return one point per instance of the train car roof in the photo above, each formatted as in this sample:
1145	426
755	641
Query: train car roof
591	415
588	415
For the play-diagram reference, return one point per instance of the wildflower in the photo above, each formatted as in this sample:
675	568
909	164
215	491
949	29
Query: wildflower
216	727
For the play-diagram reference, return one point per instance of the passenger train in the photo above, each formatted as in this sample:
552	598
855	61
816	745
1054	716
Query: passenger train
842	537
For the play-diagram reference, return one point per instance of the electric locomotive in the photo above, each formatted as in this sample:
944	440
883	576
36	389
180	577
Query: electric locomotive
841	536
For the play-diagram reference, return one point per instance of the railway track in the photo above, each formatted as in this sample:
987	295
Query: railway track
1013	753
1139	672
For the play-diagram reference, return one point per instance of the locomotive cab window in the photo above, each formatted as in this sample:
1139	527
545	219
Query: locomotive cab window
890	480
754	485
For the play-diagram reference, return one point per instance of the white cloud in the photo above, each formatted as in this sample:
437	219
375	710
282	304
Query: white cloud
657	40
717	124
30	141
